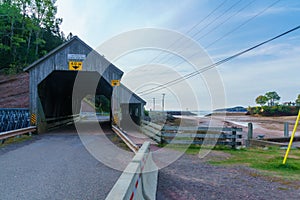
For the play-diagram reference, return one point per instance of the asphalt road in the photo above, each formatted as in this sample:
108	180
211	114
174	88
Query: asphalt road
53	166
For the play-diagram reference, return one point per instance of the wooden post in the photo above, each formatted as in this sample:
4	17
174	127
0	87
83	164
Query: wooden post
250	134
250	131
233	137
286	129
161	135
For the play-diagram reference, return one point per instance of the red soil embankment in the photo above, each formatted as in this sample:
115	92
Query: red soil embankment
14	91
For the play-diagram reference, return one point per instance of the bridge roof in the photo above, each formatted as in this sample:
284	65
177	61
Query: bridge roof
137	99
61	47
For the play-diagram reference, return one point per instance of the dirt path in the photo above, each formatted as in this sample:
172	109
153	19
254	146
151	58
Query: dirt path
192	178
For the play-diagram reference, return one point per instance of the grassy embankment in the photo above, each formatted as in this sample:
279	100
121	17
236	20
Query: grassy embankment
266	160
19	139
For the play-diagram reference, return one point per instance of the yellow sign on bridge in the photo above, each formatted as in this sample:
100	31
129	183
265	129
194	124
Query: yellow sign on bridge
115	83
75	65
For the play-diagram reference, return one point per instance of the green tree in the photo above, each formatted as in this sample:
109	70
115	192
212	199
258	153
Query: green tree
298	100
11	38
272	98
28	30
43	15
261	100
102	103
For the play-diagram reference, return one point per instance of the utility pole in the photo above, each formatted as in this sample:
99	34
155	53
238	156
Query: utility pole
163	101
153	104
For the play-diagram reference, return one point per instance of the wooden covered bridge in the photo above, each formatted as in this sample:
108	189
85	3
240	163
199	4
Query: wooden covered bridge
60	80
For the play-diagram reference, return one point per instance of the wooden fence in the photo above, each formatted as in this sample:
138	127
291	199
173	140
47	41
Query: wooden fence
193	135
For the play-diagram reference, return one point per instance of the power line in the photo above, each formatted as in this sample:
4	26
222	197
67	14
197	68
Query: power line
207	16
191	29
219	25
233	30
226	20
153	104
244	23
210	23
218	17
187	76
163	101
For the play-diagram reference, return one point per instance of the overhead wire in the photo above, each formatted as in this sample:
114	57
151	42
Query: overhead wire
244	23
187	76
209	24
191	29
218	25
226	20
233	30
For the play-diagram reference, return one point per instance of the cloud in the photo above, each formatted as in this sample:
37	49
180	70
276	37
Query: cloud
279	8
181	95
277	50
287	8
270	67
74	19
244	82
96	21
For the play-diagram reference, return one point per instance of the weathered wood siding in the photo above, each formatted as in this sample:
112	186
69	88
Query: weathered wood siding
58	60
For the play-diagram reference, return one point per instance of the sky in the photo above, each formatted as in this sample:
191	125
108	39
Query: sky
183	36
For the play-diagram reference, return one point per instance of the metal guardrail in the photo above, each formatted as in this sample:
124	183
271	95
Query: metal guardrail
56	122
133	147
13	119
13	133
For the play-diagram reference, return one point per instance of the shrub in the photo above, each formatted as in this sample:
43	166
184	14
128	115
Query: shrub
277	110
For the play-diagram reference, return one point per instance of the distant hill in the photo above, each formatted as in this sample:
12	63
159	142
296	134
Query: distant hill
14	91
234	109
185	113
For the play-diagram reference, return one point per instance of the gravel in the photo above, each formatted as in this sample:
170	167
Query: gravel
191	178
53	166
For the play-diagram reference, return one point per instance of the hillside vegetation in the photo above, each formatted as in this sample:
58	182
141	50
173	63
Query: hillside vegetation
28	31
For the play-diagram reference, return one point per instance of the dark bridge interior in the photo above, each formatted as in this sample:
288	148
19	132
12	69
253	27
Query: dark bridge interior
56	91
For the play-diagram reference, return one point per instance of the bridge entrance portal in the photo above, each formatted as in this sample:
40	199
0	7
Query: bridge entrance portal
63	78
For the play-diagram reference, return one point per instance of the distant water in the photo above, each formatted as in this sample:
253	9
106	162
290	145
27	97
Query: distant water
201	113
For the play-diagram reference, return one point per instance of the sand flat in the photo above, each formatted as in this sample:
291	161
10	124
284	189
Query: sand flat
268	126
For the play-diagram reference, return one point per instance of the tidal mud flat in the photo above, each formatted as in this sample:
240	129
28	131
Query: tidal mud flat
268	126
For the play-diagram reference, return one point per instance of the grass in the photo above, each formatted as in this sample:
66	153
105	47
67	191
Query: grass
193	149
118	142
13	140
266	160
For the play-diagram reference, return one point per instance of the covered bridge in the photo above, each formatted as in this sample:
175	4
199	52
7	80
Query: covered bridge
60	80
